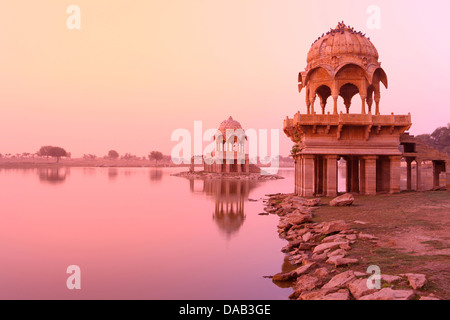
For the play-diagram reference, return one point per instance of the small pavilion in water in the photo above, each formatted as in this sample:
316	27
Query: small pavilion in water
229	154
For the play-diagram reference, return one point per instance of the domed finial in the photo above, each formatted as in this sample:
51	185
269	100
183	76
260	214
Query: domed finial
230	118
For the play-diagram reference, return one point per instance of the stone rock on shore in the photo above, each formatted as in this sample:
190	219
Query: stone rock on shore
306	282
321	273
344	200
340	280
319	248
334	226
390	294
430	297
315	295
416	280
341	261
328	245
359	288
296	219
342	294
366	236
292	275
303	269
312	202
390	279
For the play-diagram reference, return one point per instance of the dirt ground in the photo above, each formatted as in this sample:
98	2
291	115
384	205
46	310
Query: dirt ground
413	231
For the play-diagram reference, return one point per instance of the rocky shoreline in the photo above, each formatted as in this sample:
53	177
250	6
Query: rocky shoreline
231	176
320	254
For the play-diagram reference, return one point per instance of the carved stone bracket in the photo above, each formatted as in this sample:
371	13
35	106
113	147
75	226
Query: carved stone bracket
339	129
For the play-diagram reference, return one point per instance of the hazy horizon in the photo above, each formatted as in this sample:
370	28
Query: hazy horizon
136	71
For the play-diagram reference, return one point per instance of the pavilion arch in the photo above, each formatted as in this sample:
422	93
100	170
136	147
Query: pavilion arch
319	73
235	140
347	91
351	71
323	91
380	75
219	139
300	81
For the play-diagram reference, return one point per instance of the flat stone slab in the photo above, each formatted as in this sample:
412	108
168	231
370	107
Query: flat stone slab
328	245
359	288
342	294
334	226
416	280
390	294
341	261
340	280
390	279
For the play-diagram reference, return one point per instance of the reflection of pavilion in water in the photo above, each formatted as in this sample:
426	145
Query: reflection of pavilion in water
156	175
53	175
229	196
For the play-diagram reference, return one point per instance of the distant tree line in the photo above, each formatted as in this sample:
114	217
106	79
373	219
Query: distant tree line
51	151
58	152
153	155
439	139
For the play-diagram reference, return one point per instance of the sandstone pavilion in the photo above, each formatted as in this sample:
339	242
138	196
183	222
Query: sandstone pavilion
344	63
229	153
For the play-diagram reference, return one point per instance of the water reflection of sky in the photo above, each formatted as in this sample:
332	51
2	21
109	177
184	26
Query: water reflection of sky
130	230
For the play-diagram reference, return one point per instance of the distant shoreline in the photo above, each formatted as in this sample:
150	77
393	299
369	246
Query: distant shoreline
108	163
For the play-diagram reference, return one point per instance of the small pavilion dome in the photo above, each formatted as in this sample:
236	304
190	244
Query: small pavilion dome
230	124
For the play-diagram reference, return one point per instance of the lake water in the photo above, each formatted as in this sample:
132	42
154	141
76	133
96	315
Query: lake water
137	233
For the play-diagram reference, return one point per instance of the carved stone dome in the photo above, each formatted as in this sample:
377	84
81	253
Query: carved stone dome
341	42
342	63
231	124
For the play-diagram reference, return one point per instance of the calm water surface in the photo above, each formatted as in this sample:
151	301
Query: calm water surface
137	233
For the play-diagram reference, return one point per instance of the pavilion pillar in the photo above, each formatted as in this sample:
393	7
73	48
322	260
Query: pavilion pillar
335	100
363	103
355	175
247	165
319	175
419	175
191	166
408	174
377	101
324	175
312	99
323	104
219	167
362	175
296	182
295	177
308	174
370	175
331	176
383	174
316	175
300	175
394	175
348	165
308	102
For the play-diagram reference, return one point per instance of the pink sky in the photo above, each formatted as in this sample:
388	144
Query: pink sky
137	70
